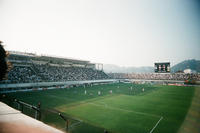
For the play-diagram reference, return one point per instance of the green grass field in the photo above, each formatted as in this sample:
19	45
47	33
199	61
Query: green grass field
159	109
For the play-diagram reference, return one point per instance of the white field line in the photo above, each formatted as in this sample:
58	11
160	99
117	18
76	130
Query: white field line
75	124
104	104
156	124
125	110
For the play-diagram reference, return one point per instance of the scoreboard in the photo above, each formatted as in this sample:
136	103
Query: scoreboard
163	67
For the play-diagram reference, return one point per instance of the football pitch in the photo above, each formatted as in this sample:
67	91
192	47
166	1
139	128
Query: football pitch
130	108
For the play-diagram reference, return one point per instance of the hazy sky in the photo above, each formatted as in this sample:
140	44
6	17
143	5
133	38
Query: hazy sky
121	32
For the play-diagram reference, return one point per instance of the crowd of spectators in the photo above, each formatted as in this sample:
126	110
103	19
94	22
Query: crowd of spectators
46	73
55	73
157	76
22	74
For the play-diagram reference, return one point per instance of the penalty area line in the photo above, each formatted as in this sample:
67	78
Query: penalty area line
156	124
121	109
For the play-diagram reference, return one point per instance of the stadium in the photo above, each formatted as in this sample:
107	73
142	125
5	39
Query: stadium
73	96
99	66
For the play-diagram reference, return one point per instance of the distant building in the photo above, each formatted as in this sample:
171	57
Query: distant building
189	71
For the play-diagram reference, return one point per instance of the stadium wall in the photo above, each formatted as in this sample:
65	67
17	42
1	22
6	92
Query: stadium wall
48	84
